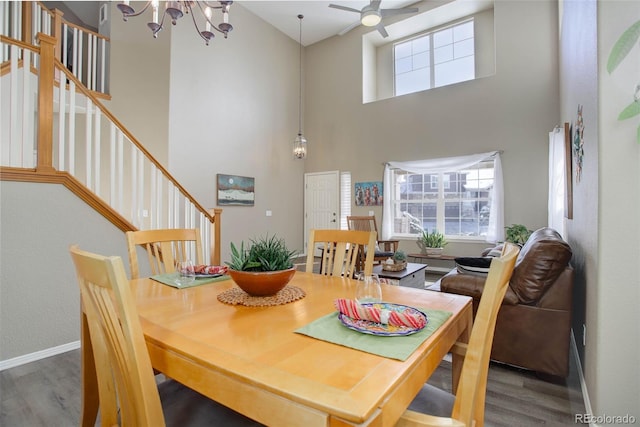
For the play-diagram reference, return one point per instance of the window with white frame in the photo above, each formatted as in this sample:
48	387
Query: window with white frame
459	204
435	59
345	199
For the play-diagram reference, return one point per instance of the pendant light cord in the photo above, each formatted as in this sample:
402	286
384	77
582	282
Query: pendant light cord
300	82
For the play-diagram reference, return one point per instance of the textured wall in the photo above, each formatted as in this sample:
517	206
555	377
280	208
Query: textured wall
39	296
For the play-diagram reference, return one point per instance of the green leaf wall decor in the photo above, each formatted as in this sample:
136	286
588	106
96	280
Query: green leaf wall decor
623	46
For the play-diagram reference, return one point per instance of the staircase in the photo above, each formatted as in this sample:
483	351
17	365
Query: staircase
54	129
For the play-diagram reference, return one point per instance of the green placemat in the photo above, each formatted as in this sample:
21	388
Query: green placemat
329	328
170	279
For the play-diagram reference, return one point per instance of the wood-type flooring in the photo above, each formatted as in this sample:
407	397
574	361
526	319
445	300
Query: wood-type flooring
47	393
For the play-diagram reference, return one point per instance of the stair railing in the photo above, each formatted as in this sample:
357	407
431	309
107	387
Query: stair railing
84	52
79	137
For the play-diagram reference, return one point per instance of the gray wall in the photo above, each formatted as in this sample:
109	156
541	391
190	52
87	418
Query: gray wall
512	110
230	107
39	295
604	233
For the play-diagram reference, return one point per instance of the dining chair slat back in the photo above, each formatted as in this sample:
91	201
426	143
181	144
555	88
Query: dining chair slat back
383	248
126	385
339	250
469	401
164	247
127	390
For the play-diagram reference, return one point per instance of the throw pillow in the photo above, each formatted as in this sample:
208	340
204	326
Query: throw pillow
478	266
493	252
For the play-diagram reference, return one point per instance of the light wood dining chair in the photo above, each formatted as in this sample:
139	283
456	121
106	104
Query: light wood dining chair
128	394
383	248
435	407
164	247
339	251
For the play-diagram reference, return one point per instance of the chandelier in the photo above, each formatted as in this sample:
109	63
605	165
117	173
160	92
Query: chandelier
300	143
176	9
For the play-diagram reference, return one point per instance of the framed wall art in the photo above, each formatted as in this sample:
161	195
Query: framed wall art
568	164
235	190
368	193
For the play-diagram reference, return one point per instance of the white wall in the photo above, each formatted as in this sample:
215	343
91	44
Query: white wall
512	110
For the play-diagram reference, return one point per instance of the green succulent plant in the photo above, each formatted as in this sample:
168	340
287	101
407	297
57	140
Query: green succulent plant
433	239
262	254
399	256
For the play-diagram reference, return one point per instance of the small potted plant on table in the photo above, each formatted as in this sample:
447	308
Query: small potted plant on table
397	263
264	268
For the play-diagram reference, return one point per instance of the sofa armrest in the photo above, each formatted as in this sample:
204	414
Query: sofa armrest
559	295
471	285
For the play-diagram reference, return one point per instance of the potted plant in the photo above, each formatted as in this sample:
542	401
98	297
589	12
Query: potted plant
433	242
396	263
264	267
517	234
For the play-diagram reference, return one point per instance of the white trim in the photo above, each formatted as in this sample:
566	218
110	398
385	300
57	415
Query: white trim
42	354
583	384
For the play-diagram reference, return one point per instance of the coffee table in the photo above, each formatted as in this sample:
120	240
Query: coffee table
412	276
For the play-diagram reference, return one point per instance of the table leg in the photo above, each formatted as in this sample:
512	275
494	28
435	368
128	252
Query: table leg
90	401
457	359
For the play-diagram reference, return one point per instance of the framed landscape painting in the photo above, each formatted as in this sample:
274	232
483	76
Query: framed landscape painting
235	190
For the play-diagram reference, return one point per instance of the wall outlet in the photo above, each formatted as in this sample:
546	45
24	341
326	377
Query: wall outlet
370	213
145	213
269	213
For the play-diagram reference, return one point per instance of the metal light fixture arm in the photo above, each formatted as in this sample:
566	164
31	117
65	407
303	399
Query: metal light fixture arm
175	10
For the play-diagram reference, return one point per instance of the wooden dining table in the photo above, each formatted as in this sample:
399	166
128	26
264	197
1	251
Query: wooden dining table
251	360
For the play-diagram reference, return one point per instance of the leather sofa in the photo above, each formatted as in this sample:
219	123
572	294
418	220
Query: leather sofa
534	322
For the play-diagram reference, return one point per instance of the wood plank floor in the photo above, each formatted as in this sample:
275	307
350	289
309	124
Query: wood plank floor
47	393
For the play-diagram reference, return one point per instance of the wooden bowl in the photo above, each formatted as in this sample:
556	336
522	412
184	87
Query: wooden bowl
262	283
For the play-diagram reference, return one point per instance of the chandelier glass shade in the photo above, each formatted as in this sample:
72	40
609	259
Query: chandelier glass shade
177	9
300	143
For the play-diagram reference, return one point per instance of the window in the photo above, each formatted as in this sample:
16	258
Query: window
435	59
345	199
456	202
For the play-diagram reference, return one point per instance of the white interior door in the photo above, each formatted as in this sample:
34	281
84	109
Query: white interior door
321	201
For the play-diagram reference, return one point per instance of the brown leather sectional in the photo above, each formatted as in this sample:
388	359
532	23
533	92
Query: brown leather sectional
534	322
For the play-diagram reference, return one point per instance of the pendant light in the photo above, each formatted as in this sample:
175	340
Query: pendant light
300	143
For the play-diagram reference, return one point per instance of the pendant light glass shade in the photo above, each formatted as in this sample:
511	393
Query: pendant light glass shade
300	143
300	147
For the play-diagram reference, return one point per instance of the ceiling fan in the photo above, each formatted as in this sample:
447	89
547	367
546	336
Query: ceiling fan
372	16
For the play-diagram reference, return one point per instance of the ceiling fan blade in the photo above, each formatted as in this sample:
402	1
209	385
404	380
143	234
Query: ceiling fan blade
392	12
349	28
375	4
348	9
382	30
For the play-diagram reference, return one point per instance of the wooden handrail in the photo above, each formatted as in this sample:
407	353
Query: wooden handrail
129	135
49	67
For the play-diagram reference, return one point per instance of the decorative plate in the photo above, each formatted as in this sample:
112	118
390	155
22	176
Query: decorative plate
381	329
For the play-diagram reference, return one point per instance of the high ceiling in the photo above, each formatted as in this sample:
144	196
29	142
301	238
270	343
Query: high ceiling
320	21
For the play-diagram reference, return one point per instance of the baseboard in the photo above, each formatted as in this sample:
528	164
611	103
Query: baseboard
583	383
42	354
